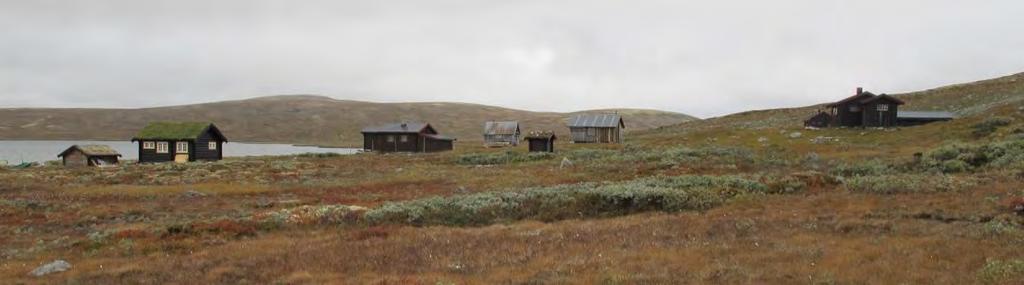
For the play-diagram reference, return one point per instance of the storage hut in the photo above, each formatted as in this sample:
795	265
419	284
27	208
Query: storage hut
89	155
602	128
541	141
497	134
180	142
405	137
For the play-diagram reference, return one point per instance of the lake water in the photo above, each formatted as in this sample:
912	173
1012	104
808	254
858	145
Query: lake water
15	152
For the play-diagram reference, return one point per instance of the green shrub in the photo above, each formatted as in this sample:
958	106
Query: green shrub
668	194
501	158
867	168
996	271
903	183
990	125
966	157
319	154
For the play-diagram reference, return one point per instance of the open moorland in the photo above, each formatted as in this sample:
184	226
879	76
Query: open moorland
747	198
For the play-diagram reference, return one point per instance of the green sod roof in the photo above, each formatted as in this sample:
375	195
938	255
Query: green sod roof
173	131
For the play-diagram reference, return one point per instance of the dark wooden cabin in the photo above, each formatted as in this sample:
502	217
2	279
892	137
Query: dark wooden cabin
541	141
405	137
89	155
498	134
602	128
863	109
180	142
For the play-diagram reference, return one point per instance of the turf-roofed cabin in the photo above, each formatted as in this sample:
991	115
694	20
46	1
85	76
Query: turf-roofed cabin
180	142
89	155
405	137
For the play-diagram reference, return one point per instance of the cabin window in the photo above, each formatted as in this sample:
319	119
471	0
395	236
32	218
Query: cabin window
883	107
212	145
391	138
161	147
854	108
181	147
148	145
403	138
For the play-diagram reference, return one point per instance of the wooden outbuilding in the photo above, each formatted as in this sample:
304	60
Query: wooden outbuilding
601	128
913	118
180	142
497	134
405	137
541	141
89	155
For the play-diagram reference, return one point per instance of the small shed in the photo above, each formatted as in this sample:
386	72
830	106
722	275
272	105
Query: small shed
498	134
405	137
913	118
600	128
89	155
541	141
180	142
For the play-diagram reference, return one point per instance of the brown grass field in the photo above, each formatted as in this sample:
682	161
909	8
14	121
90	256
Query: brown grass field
208	222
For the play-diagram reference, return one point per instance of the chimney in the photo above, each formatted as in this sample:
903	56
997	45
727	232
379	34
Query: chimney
405	125
860	90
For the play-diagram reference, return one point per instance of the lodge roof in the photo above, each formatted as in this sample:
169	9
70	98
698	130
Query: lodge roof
92	150
501	128
596	121
177	131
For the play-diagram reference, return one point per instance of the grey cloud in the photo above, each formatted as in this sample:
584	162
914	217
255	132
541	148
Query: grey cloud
704	58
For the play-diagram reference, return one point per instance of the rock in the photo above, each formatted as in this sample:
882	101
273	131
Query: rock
52	267
795	135
762	139
193	194
565	162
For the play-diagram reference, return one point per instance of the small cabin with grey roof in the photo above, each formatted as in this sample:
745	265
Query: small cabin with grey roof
89	155
599	128
405	137
180	142
498	134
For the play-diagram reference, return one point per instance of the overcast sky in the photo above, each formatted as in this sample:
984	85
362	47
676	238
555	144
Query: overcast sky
704	58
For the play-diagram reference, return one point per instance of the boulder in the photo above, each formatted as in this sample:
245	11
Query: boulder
52	267
795	135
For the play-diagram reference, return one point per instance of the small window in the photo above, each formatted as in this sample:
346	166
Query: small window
854	108
883	107
212	145
391	138
161	147
148	145
404	138
181	147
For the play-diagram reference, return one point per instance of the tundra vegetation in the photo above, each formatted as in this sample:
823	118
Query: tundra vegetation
719	201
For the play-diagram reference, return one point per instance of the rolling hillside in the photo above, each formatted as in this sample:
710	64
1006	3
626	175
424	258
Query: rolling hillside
299	119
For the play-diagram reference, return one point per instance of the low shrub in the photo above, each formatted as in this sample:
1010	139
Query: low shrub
997	271
960	157
904	183
308	215
501	158
319	154
867	168
668	194
990	125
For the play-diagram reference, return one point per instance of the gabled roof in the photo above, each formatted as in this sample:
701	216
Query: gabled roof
501	128
883	97
177	131
410	128
541	135
92	150
925	115
858	97
596	121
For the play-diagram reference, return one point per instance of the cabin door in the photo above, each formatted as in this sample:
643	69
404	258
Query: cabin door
181	152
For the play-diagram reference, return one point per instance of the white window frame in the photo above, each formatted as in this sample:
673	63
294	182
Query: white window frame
181	147
161	147
391	138
403	138
148	145
883	107
212	145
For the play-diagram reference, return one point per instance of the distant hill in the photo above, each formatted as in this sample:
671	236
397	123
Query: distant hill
967	99
299	119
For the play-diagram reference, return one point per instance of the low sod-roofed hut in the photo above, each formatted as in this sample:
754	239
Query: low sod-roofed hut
541	141
501	133
405	137
180	142
89	155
